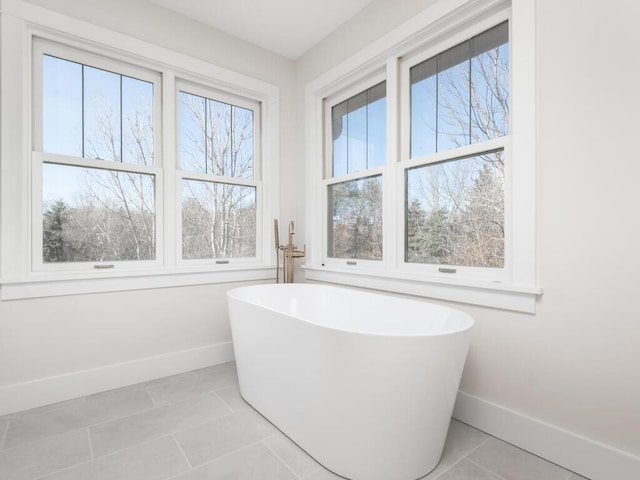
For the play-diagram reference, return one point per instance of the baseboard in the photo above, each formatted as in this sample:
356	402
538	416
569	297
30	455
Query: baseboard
582	455
36	393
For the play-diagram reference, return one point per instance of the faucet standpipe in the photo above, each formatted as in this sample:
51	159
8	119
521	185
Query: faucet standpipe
289	253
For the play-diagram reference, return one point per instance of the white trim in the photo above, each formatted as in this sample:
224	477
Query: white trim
488	294
513	287
44	391
577	453
48	285
20	22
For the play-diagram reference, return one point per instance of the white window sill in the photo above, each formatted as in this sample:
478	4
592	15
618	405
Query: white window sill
517	298
61	284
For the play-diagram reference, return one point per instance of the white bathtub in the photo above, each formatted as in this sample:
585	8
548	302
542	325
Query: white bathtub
364	383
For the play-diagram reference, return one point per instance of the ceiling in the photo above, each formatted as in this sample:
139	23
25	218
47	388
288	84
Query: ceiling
287	27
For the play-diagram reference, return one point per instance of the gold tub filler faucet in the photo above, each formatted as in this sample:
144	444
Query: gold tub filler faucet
289	252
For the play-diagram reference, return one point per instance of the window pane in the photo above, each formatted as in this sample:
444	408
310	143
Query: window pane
377	125
424	96
218	220
455	212
93	215
137	121
355	219
359	131
193	152
339	127
61	106
89	112
102	115
453	98
461	96
490	84
215	137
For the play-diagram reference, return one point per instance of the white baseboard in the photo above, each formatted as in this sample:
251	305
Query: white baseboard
584	456
36	393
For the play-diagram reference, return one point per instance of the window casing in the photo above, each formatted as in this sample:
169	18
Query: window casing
504	276
34	264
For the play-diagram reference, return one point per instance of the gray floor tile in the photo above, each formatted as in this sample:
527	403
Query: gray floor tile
461	440
125	432
155	460
71	416
575	476
291	454
323	474
48	408
465	470
512	463
231	396
182	387
256	462
46	456
4	426
224	435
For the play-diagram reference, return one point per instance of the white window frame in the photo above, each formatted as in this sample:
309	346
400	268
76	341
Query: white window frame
20	202
328	179
43	47
212	93
445	24
406	162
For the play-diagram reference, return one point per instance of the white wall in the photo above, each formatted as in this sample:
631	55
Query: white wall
575	364
48	337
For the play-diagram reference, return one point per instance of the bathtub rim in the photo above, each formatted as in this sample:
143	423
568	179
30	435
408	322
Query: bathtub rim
469	320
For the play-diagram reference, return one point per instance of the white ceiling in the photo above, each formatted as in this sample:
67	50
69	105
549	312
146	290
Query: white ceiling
287	27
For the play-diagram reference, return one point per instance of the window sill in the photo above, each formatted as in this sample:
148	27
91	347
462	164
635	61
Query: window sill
489	294
61	284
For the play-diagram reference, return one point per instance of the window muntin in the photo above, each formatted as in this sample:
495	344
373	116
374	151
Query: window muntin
355	219
97	215
461	96
455	182
357	152
94	163
218	140
455	212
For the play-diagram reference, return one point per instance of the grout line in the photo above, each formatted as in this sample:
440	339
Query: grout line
218	458
182	451
464	457
5	435
278	456
485	469
90	444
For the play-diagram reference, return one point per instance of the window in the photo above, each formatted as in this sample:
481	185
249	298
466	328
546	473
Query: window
217	162
454	194
95	144
126	165
454	201
354	188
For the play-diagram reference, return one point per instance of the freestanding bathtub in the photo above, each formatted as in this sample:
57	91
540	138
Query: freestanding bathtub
365	383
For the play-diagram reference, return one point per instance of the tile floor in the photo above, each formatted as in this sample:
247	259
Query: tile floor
195	426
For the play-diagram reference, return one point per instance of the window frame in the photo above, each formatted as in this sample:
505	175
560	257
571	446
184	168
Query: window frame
42	47
406	162
20	24
211	93
329	179
444	25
